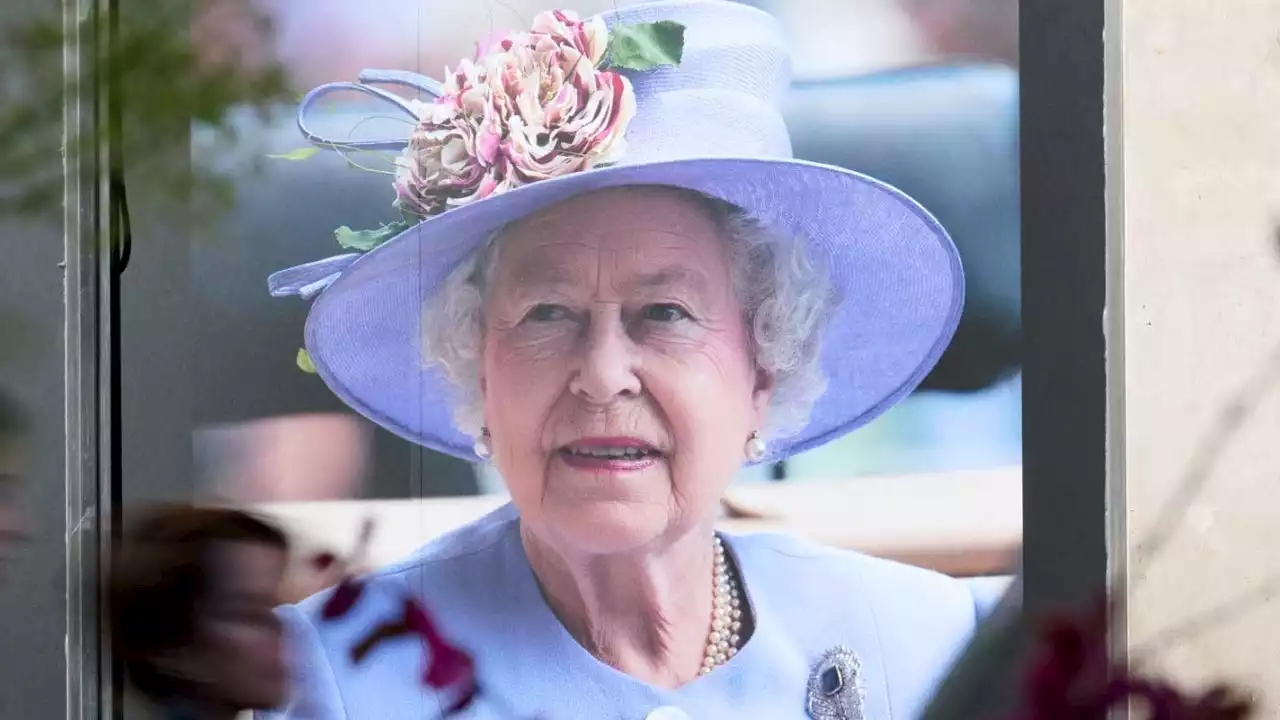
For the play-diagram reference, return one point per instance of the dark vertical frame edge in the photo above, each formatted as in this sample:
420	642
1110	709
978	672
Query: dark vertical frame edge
1117	515
87	321
1064	281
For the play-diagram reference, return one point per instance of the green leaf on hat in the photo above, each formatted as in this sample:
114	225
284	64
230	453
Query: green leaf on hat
300	154
645	46
365	240
304	362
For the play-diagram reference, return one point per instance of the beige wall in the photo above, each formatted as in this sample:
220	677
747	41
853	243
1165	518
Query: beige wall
1194	178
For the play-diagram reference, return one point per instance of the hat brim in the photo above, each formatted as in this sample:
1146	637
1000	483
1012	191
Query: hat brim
899	277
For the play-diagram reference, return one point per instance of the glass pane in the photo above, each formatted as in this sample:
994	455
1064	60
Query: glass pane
46	616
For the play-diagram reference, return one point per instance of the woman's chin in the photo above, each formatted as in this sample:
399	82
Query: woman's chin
602	528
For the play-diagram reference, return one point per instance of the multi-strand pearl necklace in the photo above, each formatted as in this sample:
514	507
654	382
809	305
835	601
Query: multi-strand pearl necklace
726	615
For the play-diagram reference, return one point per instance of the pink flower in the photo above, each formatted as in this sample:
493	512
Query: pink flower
533	106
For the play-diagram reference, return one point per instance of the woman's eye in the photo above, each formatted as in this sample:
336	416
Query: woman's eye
664	313
547	313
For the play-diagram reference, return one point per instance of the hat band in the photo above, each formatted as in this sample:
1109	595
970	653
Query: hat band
705	123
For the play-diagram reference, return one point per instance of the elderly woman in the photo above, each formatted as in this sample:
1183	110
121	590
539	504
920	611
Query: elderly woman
615	285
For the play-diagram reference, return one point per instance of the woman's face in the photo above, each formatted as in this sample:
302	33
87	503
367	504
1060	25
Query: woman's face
238	649
619	388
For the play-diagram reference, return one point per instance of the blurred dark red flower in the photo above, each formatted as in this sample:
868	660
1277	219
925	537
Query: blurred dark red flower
448	666
342	599
1072	678
323	561
464	700
385	631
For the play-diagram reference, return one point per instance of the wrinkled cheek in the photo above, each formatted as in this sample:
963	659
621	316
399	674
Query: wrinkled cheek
696	483
535	355
518	362
524	381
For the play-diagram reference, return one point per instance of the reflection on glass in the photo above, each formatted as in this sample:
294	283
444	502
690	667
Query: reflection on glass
297	458
14	460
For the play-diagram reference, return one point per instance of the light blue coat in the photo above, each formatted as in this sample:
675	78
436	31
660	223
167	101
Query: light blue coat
905	625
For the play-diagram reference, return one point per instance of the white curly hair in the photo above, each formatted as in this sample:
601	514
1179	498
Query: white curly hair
785	295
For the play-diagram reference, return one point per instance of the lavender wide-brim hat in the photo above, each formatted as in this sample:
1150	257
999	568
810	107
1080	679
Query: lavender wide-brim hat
711	125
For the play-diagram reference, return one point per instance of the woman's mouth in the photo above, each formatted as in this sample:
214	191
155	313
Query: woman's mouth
609	454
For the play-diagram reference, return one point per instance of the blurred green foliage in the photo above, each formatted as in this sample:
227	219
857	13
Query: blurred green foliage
179	66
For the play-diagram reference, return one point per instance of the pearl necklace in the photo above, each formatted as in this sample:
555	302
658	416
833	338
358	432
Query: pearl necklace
726	615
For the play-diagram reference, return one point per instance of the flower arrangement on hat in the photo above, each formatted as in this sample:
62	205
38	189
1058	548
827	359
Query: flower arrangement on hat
534	105
529	106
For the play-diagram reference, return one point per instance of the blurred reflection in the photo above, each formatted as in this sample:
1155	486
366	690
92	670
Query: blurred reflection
836	38
191	599
297	458
13	448
327	40
973	29
315	564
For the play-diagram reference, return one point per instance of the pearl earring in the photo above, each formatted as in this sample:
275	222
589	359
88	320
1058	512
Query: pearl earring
481	447
756	448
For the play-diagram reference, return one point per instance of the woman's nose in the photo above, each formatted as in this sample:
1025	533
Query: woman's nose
607	369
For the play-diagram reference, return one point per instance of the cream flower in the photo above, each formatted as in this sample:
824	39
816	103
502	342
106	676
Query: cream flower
531	106
590	38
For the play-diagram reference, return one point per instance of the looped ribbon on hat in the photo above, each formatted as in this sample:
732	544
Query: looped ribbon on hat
308	280
368	78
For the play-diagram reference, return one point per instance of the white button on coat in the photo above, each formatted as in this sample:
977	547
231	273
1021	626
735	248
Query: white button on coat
668	712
